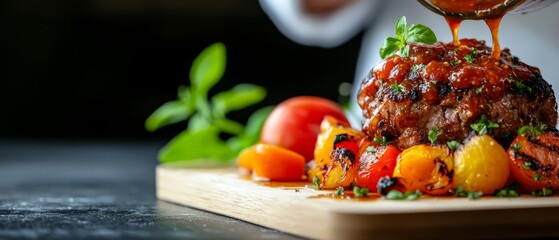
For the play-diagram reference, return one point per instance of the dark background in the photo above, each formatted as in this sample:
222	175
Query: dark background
96	69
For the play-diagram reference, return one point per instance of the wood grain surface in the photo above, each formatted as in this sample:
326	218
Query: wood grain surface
301	210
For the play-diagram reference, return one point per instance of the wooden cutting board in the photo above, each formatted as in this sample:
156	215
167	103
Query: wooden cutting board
301	210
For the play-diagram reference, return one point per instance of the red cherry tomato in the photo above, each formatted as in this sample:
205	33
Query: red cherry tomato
295	123
534	160
376	164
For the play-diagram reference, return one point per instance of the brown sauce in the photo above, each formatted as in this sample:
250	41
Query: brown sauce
491	11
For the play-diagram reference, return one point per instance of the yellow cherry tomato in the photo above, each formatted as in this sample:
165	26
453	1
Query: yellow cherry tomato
481	165
425	168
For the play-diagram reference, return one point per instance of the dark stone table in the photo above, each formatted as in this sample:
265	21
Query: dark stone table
98	190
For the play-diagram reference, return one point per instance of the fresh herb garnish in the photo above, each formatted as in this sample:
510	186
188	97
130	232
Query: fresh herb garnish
372	149
315	182
542	193
434	133
381	140
360	192
398	88
453	144
208	118
533	131
454	63
509	193
479	89
417	67
397	195
484	126
405	35
515	147
537	176
340	191
461	192
526	165
470	57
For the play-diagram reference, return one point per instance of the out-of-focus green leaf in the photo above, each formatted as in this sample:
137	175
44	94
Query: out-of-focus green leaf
200	144
253	129
228	126
239	97
208	68
197	122
168	113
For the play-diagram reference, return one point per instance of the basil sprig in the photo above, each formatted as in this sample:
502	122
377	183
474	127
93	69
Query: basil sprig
405	35
200	143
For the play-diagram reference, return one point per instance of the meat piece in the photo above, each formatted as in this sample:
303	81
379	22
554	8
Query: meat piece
450	88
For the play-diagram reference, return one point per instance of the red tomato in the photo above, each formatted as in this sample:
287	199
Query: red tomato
534	160
295	123
374	165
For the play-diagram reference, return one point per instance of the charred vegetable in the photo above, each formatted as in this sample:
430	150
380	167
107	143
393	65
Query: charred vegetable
426	168
534	157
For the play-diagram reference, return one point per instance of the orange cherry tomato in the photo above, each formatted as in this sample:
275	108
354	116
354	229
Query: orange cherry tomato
335	153
425	168
534	160
273	163
295	123
374	164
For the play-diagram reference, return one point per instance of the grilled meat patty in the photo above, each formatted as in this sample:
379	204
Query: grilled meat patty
449	88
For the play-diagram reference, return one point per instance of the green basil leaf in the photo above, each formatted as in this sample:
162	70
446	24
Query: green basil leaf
253	128
208	68
239	97
405	51
401	32
229	126
420	33
389	47
168	113
191	145
197	122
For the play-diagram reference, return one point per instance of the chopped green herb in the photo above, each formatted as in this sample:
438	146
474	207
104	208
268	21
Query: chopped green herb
533	131
526	165
398	88
381	140
479	90
484	126
542	193
453	144
433	83
509	193
461	192
515	147
454	63
434	133
372	149
397	195
360	192
315	182
417	67
474	195
537	176
470	57
405	35
340	191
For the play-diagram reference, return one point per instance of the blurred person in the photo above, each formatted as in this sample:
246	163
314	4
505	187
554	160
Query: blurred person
329	23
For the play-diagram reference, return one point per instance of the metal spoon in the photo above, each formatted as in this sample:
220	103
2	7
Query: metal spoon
499	7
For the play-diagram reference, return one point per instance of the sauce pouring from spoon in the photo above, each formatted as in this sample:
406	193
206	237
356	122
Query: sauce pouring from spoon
491	11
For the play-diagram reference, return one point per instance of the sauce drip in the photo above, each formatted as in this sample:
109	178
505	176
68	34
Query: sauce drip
491	11
454	25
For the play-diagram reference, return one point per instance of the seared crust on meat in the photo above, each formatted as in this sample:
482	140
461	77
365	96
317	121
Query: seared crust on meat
450	88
